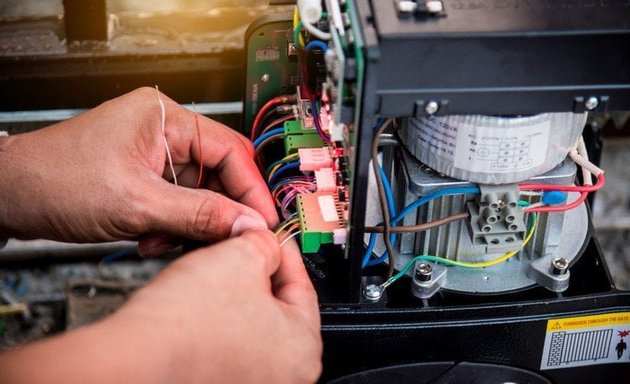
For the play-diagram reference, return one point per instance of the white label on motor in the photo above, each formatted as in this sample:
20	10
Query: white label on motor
328	208
501	150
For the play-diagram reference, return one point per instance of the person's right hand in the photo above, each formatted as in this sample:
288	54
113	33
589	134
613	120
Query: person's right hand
241	311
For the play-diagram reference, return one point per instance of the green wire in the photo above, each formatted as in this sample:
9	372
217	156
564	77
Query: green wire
436	259
270	168
298	29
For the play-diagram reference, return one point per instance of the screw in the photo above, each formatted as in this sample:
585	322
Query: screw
559	266
423	272
591	103
431	107
373	292
265	78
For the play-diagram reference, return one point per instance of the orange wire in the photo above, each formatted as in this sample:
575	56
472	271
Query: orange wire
200	148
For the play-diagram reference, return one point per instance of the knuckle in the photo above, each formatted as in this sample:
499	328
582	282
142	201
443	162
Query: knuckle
207	215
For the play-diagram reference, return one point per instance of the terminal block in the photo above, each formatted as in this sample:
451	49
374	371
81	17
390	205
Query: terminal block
321	220
496	219
314	159
296	137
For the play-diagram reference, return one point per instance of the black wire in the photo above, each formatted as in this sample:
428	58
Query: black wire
383	197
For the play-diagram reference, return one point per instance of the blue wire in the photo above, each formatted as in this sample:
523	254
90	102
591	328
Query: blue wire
316	44
392	210
267	135
284	168
412	207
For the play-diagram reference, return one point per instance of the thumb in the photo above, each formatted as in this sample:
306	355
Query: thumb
199	214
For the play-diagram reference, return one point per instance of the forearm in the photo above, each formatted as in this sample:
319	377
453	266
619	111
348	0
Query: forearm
7	188
118	349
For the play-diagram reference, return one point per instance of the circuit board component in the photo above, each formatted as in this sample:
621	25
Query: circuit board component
321	219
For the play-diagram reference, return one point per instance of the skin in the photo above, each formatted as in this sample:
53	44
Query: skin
241	310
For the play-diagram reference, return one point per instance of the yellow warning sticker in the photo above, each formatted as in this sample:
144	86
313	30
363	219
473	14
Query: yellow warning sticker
580	322
587	340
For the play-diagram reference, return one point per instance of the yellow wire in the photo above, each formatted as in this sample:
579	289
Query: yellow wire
275	169
503	258
285	225
289	232
296	20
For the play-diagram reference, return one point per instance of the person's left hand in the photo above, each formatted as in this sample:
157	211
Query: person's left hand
104	176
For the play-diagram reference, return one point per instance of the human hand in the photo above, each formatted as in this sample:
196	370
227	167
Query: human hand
101	177
241	311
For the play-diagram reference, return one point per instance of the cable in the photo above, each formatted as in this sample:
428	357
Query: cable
383	197
267	135
317	122
265	108
559	208
473	190
601	180
485	264
421	227
298	40
200	178
168	149
284	168
277	123
270	139
316	44
289	238
316	32
287	159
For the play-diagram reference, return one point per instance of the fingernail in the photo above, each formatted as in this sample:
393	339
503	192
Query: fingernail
245	222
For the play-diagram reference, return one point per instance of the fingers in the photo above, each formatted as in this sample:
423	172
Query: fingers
222	150
256	252
231	157
196	214
293	286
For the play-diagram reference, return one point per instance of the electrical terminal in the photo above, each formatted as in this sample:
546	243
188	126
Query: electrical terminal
314	159
296	137
320	214
325	180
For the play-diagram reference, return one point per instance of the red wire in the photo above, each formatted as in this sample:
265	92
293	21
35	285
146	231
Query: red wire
601	180
560	208
263	111
277	122
200	152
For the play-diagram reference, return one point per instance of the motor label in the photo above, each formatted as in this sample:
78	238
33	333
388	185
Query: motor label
586	340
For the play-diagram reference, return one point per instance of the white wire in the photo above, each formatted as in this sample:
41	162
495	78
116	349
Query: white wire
289	238
168	149
580	156
316	32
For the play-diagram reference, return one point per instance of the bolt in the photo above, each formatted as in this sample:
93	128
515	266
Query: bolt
591	103
265	78
423	272
559	266
431	107
373	292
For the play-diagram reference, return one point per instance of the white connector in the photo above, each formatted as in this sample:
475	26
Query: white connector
310	10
